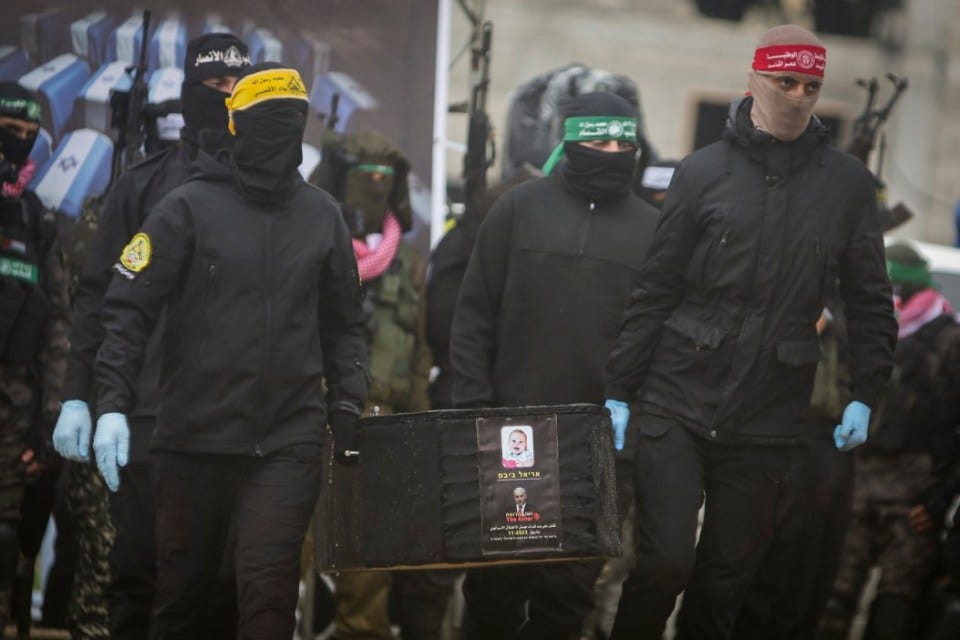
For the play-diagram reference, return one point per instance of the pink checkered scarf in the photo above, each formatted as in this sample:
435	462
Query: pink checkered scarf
373	262
925	306
15	189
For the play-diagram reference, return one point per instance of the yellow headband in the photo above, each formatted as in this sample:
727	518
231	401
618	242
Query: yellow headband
270	84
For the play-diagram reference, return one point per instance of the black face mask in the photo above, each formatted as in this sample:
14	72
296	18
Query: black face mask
203	108
268	148
598	175
15	149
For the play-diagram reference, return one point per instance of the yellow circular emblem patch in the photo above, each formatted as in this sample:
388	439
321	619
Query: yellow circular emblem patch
136	255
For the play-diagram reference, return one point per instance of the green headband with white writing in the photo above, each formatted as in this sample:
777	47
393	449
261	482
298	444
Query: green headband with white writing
583	128
21	108
370	167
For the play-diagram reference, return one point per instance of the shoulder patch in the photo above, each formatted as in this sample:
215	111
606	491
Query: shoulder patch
135	256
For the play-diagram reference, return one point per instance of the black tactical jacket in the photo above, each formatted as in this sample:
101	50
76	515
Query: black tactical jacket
124	210
544	295
126	207
720	331
263	307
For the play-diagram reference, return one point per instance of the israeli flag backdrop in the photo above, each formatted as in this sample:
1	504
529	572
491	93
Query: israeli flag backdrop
57	84
45	35
264	46
94	98
124	44
311	159
168	44
353	97
164	85
79	169
89	36
42	148
213	23
13	63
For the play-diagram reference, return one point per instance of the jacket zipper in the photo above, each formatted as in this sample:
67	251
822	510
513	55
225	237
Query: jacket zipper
586	228
265	351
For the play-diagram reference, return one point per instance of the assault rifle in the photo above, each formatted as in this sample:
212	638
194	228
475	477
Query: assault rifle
868	123
865	129
128	109
481	149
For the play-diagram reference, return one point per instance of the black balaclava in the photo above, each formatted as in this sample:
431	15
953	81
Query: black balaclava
598	175
16	102
269	132
209	56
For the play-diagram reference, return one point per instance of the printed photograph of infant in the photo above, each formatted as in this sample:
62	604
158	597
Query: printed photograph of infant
517	445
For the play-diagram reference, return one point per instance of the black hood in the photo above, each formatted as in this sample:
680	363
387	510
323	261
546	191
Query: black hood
214	166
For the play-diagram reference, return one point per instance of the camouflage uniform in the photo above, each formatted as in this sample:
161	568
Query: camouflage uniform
87	495
902	465
399	357
29	390
89	503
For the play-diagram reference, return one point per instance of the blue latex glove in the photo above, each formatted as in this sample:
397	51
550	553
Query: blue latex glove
852	430
111	445
71	436
619	416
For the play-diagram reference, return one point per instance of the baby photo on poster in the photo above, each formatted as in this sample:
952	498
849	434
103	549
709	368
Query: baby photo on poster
517	447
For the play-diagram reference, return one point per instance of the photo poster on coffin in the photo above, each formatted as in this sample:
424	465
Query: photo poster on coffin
519	469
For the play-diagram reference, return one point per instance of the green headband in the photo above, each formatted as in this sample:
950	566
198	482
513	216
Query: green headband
20	108
373	168
583	128
909	274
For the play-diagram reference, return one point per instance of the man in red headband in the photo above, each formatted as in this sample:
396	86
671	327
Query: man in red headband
721	337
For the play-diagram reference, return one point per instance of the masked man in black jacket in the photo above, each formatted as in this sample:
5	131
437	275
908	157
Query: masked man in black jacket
256	271
211	67
721	336
544	293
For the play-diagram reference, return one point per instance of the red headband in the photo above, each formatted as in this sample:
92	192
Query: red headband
807	59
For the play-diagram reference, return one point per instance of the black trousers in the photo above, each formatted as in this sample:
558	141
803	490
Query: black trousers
418	601
794	581
268	500
133	564
133	556
674	471
534	602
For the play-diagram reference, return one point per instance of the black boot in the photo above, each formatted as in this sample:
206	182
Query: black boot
23	596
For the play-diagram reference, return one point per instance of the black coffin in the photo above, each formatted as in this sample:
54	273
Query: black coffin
440	488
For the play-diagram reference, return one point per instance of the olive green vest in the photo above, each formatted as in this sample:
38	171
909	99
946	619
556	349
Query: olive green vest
392	306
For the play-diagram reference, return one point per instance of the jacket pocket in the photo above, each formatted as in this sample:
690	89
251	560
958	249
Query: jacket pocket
703	333
654	427
798	353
